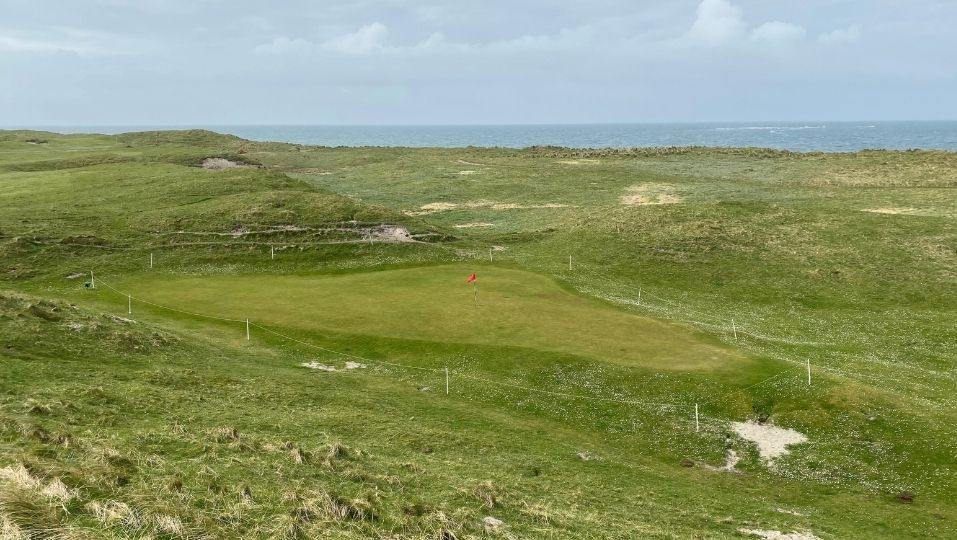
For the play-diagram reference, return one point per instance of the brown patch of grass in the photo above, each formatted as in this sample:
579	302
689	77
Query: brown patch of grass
488	494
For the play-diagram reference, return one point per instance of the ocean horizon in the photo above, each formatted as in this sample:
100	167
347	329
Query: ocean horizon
808	136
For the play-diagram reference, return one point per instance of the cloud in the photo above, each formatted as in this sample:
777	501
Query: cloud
370	38
285	45
69	40
777	32
841	35
718	21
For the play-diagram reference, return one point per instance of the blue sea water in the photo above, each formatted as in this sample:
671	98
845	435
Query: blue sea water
798	136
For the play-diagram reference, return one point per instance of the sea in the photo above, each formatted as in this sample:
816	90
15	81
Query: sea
796	136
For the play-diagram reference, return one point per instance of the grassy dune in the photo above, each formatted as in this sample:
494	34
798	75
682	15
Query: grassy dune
570	411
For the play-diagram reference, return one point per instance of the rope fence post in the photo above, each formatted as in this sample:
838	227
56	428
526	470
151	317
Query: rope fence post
92	280
697	425
247	329
809	372
151	259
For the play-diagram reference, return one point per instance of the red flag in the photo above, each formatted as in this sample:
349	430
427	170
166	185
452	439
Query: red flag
471	279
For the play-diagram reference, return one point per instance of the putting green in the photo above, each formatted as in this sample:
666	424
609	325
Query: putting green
509	307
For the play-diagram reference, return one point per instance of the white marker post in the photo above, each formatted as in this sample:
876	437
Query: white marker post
129	304
247	329
272	252
809	372
151	259
490	255
697	426
569	262
639	296
446	381
92	281
734	329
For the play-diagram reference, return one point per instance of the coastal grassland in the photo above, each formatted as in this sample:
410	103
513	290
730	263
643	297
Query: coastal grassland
561	427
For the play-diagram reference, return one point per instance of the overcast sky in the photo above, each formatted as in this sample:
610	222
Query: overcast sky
204	62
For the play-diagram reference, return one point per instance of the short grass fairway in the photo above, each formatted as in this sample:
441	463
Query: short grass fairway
504	308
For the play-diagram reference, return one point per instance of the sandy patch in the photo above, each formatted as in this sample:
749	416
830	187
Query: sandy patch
772	441
466	173
731	459
778	535
891	210
388	233
463	162
432	208
579	161
219	164
650	194
472	225
317	366
355	365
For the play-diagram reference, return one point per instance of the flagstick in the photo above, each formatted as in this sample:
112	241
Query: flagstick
474	295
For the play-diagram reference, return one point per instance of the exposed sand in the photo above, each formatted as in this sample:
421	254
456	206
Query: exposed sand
432	208
891	210
650	194
388	233
778	535
579	161
772	441
219	164
317	366
471	225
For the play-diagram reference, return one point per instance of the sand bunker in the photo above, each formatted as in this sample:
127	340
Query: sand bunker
772	441
432	208
219	164
778	535
650	194
579	161
471	225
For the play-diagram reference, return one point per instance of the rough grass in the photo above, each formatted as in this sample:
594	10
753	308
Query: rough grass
169	425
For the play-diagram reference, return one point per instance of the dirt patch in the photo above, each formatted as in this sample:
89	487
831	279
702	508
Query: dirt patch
318	366
432	208
890	210
579	161
772	441
472	225
778	535
388	233
650	194
220	164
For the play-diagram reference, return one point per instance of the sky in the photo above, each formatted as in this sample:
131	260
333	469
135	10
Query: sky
408	62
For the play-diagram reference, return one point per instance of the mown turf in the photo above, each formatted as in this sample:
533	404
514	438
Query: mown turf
176	426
